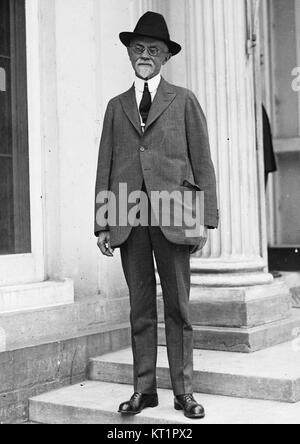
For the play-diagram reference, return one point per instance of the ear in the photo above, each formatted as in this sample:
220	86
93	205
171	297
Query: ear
167	58
129	54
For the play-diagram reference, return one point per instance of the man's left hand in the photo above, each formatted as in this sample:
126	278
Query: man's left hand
202	242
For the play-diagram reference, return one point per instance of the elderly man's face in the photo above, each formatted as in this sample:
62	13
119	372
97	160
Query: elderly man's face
148	56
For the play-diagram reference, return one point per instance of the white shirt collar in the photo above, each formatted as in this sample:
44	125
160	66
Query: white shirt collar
153	84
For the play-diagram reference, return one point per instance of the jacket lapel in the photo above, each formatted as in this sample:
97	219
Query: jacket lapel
129	105
163	99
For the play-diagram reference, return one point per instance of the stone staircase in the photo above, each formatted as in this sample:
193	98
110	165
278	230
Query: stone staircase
263	387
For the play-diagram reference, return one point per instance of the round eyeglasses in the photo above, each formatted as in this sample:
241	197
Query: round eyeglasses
153	51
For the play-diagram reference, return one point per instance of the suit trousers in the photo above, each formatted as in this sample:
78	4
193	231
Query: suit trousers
173	265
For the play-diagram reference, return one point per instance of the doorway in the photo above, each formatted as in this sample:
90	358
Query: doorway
15	235
280	56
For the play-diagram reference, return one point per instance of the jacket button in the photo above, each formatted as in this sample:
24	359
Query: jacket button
142	149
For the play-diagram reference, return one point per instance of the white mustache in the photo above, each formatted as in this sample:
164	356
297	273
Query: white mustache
145	62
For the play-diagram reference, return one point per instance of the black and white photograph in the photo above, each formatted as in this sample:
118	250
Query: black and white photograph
149	215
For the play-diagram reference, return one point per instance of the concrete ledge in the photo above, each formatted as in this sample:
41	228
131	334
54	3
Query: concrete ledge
62	321
36	295
31	371
272	374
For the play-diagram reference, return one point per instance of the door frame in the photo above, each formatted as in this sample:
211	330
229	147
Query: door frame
27	268
281	257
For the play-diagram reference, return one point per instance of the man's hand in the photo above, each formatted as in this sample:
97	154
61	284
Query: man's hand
104	244
202	243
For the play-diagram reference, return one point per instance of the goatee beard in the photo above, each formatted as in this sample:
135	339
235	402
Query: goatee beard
144	71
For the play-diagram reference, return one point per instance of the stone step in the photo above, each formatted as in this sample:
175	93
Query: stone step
242	340
28	372
272	374
97	403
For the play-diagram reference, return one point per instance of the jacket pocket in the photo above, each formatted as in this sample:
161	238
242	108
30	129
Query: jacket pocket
192	186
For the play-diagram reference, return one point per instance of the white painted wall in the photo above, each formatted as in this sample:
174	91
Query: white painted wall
78	79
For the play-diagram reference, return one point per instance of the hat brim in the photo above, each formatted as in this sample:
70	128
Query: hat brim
127	37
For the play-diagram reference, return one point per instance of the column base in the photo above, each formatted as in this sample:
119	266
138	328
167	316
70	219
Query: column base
238	340
240	307
242	319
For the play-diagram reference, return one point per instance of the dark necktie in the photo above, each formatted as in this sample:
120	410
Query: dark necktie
145	104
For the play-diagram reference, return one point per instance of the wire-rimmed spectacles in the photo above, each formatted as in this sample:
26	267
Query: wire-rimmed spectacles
153	51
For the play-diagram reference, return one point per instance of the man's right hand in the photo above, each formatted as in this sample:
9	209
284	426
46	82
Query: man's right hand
104	244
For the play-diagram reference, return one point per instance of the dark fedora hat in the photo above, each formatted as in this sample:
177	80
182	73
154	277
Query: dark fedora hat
151	25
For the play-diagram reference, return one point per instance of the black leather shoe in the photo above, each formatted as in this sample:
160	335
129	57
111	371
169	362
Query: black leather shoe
138	403
191	408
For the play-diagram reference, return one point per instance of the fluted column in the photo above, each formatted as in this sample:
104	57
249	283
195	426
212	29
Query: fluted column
235	303
220	73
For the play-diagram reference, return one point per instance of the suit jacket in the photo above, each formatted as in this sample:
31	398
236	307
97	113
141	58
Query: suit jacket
172	154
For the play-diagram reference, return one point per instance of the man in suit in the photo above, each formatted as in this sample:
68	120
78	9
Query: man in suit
155	139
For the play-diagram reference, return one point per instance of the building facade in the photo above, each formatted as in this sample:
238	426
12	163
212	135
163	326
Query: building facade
61	302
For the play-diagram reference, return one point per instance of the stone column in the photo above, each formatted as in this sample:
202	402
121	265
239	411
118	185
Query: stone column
236	305
221	76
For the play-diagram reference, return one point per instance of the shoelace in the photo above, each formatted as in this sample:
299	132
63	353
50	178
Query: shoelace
135	396
189	398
